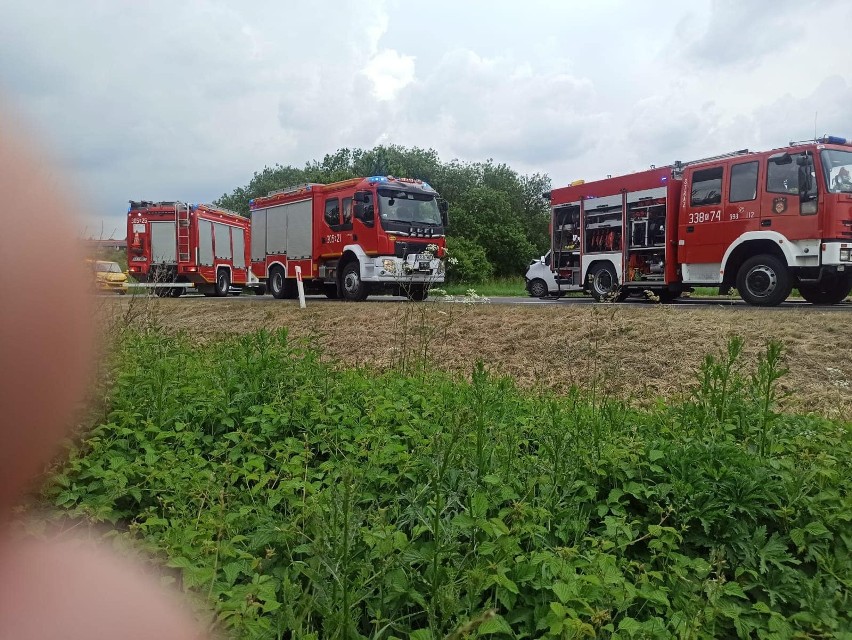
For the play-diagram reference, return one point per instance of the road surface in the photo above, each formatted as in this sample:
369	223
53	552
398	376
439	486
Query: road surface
793	303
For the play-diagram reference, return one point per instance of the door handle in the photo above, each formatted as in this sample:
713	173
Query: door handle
690	229
766	223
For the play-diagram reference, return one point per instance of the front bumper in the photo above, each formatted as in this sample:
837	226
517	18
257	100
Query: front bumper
412	269
120	287
837	254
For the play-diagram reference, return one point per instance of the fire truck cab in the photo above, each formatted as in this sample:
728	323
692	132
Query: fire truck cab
761	222
349	239
172	246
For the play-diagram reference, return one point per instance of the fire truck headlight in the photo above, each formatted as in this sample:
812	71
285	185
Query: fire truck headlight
845	255
389	265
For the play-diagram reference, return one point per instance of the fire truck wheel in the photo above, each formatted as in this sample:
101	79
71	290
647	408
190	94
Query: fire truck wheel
418	293
667	296
764	281
603	283
177	292
537	288
830	291
330	291
223	283
276	283
354	289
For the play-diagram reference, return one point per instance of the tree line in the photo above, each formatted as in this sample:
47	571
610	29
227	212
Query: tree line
498	217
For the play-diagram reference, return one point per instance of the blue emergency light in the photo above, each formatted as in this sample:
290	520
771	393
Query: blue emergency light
377	179
833	140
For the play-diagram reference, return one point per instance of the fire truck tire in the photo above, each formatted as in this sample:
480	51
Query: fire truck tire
223	283
354	289
830	291
330	291
764	281
667	296
418	293
277	283
177	292
603	283
537	288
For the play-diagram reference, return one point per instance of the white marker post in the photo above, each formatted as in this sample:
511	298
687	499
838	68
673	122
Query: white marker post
300	286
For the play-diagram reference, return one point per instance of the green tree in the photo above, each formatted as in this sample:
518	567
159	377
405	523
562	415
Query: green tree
485	216
471	266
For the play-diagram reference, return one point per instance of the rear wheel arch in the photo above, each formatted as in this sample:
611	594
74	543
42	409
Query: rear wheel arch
602	280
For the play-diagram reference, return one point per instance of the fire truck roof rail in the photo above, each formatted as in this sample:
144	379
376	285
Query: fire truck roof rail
301	187
144	204
214	207
679	166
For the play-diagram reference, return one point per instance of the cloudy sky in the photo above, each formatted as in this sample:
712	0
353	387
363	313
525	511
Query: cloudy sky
185	100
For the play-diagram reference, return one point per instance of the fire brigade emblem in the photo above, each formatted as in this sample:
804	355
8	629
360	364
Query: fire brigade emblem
779	204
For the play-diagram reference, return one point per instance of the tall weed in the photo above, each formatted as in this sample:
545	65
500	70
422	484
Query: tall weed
303	500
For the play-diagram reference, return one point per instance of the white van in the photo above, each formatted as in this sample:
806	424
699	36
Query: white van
541	281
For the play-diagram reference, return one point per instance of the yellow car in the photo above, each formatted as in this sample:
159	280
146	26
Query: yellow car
109	276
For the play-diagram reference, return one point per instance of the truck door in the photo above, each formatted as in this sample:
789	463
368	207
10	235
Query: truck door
790	198
337	231
742	208
700	216
163	243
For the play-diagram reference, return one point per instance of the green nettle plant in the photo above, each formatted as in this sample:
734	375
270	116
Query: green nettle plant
301	499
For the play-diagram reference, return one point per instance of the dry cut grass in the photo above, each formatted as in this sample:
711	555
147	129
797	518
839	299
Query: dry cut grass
639	353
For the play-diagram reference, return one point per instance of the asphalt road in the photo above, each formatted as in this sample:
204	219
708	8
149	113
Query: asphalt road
685	303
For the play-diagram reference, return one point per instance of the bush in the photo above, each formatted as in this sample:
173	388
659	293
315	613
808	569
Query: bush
306	500
472	266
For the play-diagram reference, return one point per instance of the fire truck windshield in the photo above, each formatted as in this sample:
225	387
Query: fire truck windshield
838	170
408	207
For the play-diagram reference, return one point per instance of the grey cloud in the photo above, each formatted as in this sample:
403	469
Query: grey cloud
480	107
740	32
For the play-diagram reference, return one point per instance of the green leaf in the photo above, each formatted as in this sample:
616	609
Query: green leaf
421	634
563	591
816	528
497	624
506	583
479	506
734	589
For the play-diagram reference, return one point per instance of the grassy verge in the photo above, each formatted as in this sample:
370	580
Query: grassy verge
497	287
308	501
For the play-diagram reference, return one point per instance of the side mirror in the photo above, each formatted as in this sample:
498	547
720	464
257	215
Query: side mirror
443	207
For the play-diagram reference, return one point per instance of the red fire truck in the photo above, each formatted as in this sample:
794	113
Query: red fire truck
365	235
173	245
761	222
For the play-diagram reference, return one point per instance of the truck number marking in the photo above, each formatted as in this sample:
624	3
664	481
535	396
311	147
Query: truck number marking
334	237
139	220
741	214
697	217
